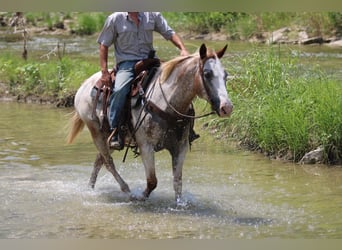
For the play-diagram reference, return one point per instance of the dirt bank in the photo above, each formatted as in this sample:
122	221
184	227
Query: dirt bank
65	101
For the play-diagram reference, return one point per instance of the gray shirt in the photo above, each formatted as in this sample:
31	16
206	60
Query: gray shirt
132	42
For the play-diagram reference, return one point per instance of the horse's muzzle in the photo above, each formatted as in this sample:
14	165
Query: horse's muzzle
226	109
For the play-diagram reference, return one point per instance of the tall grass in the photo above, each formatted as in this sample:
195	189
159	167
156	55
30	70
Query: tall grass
240	26
89	23
282	111
44	77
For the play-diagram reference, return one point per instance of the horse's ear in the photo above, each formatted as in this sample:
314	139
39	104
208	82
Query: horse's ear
220	53
203	51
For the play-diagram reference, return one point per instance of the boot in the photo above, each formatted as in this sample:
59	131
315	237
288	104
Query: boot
115	141
192	135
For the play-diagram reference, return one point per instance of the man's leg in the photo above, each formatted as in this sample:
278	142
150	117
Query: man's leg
124	76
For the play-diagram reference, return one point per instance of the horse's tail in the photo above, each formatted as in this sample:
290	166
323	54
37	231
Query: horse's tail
76	126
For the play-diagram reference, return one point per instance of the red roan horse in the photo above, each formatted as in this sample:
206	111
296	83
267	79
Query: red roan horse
172	90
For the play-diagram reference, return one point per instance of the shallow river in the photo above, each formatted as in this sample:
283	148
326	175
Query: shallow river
228	193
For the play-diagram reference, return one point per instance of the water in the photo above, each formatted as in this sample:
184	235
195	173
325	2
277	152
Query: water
228	193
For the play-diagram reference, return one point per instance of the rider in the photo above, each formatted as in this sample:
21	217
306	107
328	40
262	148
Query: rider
132	36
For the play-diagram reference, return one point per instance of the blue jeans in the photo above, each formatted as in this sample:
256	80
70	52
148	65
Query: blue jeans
123	79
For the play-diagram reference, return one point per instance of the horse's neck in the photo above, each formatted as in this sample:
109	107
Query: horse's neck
178	89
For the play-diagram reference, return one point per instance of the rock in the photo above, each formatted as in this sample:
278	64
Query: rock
312	40
337	43
313	157
59	25
278	35
302	36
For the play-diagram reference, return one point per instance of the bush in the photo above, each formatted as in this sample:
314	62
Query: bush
28	76
52	77
86	24
336	20
202	22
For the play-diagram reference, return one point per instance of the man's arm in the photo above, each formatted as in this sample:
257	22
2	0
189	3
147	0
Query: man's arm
103	58
105	78
177	41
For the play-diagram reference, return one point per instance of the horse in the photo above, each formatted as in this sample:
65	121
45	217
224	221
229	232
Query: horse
161	119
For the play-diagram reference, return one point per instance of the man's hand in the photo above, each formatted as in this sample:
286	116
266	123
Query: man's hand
176	40
106	79
184	52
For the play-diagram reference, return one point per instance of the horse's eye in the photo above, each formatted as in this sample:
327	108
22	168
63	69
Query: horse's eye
208	74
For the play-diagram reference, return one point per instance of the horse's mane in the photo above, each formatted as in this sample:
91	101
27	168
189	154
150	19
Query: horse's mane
167	67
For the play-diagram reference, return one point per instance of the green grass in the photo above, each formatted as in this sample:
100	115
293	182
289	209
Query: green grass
44	77
283	111
240	26
89	23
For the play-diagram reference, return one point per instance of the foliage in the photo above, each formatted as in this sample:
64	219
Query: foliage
86	25
52	77
336	20
202	22
48	19
283	112
239	25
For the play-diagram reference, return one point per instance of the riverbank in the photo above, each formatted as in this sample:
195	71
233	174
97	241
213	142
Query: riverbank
64	101
285	35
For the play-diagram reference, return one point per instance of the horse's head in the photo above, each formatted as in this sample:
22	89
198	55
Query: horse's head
214	81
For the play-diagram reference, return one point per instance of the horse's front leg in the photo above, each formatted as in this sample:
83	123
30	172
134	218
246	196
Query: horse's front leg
147	156
178	158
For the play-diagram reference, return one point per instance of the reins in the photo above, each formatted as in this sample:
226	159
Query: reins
179	113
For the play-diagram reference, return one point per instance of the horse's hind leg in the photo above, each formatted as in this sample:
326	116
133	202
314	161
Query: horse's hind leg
104	157
97	166
111	168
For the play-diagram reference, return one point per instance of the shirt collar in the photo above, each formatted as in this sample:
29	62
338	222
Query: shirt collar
140	16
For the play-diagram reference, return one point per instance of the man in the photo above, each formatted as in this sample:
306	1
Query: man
132	36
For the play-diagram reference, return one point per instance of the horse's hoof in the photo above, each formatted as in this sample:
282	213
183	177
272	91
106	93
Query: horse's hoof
181	203
135	197
126	189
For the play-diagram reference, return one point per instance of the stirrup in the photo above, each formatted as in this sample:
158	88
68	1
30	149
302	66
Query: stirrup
116	144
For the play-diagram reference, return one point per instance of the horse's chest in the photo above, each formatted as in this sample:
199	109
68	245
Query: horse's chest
163	134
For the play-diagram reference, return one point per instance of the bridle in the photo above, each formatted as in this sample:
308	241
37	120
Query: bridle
180	114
